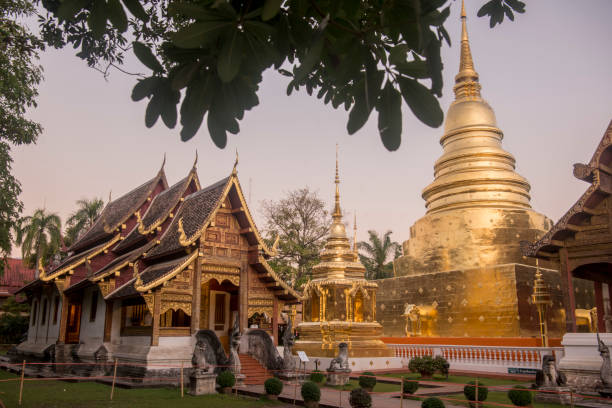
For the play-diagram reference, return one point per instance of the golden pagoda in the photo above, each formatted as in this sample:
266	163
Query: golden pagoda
462	273
478	207
339	304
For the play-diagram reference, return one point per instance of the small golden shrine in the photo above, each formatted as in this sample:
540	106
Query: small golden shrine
339	304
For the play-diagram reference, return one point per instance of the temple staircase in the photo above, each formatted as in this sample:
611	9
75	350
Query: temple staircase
254	372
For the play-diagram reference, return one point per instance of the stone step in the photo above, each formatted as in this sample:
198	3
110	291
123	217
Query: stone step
254	372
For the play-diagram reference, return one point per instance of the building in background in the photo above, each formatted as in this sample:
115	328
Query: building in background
15	276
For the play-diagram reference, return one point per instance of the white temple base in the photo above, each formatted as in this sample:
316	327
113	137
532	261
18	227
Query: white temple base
582	362
357	363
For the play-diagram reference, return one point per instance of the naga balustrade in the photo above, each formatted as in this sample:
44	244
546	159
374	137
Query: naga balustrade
499	359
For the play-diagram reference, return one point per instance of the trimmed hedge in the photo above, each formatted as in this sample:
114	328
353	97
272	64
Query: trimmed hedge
367	380
226	379
273	386
317	376
410	387
310	392
360	398
427	365
520	396
432	402
470	391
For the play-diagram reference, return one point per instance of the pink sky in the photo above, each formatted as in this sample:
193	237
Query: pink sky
548	76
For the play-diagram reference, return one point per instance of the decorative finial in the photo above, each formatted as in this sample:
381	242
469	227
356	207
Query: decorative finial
110	195
235	171
275	244
466	81
163	163
355	233
196	160
337	211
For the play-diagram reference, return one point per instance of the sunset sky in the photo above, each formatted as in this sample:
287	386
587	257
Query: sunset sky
547	75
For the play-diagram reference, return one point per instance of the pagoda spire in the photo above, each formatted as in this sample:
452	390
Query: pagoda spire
337	215
466	81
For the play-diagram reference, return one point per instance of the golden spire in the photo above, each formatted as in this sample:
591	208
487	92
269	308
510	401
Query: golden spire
355	233
337	215
466	81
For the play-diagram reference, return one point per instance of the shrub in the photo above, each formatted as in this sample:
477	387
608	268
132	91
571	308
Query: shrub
520	396
432	402
317	376
273	386
441	365
310	392
360	398
226	379
367	380
470	391
410	387
423	365
13	327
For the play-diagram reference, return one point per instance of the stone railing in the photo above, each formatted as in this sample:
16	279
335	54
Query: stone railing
499	359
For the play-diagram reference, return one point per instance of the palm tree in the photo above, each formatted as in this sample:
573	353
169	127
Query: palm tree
83	218
39	236
377	254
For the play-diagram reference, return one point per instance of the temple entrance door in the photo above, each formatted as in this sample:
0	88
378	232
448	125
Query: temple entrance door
73	323
219	317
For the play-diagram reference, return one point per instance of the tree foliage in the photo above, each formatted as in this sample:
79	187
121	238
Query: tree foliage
39	236
377	255
82	219
19	77
362	55
301	222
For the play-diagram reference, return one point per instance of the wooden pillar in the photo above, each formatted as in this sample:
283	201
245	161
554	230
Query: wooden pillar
108	321
567	287
156	310
196	296
600	307
275	319
243	296
64	315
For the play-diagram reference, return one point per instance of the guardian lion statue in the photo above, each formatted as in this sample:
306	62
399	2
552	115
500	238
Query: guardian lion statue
340	363
549	375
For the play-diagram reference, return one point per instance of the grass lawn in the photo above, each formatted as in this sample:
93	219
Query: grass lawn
379	387
458	379
41	393
498	397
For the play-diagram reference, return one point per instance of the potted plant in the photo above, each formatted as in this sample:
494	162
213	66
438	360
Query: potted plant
226	381
423	365
432	402
360	398
410	387
317	377
367	381
311	394
470	393
520	396
273	387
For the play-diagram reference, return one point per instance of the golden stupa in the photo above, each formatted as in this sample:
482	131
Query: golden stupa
339	304
477	206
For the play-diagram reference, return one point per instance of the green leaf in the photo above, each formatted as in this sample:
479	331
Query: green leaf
312	57
144	87
199	34
271	9
230	57
389	109
422	102
97	18
168	112
153	110
69	8
359	114
194	106
415	69
145	56
184	75
136	9
217	131
191	10
117	16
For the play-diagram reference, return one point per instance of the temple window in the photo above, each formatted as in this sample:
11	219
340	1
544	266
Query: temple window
219	311
44	312
136	314
174	318
315	308
261	321
55	309
358	302
94	306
